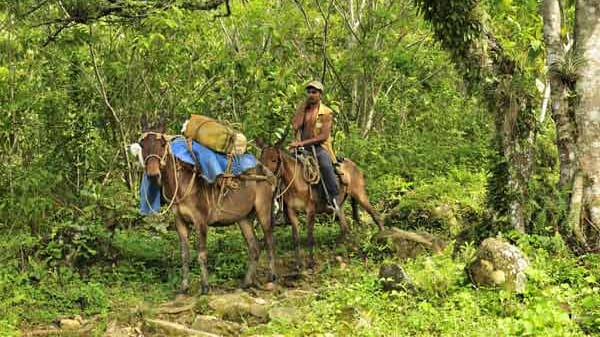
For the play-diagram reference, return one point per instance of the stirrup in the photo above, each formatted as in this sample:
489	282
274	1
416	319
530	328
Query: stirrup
334	208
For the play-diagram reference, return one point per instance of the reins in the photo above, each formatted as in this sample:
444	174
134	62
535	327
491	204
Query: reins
279	171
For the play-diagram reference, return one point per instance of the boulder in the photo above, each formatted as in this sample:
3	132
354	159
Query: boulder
393	277
409	244
69	324
287	314
114	330
297	297
174	329
215	325
239	306
498	263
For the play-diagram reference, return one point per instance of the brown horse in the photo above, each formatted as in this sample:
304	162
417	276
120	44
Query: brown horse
195	203
299	195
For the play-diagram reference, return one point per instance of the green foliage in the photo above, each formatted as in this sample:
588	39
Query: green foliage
73	242
351	301
447	204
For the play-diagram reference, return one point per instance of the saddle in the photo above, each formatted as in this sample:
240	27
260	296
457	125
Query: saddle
312	173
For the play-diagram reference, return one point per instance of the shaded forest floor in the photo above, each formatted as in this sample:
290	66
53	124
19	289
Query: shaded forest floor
343	296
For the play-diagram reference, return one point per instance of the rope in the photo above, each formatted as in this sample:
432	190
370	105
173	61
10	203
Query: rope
293	176
311	173
168	151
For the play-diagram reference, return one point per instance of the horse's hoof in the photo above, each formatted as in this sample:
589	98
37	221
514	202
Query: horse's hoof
272	277
311	264
270	286
204	289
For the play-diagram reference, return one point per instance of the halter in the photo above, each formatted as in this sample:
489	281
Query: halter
159	136
168	138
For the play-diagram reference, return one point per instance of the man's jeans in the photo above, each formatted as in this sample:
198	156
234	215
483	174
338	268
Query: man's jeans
327	172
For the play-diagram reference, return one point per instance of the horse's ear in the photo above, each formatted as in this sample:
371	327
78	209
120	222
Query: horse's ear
161	122
144	122
260	142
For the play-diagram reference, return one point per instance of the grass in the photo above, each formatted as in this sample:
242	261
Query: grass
561	299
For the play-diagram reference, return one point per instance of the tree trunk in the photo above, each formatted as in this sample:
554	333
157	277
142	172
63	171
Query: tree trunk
479	55
587	114
565	131
508	188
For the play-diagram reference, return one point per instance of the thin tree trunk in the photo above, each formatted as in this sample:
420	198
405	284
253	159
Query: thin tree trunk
565	133
123	136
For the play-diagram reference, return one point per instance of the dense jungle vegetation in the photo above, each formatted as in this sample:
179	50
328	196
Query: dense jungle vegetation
470	119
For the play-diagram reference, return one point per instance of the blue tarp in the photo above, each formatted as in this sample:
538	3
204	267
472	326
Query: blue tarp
212	165
149	197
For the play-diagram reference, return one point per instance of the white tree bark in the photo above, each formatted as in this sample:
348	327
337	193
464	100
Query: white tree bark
587	114
565	131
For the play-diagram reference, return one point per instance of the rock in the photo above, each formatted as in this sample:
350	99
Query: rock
408	244
175	310
445	213
238	306
499	263
114	330
287	314
217	326
259	310
175	329
297	297
50	331
395	278
69	324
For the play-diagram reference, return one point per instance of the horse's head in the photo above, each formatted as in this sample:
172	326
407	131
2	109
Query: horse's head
271	158
271	155
154	147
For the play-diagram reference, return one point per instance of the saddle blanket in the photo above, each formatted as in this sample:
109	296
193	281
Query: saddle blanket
212	165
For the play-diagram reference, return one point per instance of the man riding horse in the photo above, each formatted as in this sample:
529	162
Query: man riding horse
312	124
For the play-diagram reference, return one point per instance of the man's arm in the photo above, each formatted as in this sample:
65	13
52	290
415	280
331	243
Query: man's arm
298	118
327	121
297	122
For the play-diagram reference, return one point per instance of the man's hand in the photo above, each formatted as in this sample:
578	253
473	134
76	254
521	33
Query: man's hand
294	144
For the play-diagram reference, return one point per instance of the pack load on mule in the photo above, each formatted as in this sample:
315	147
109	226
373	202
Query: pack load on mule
214	135
216	152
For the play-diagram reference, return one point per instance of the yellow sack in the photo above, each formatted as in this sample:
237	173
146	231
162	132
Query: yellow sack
214	135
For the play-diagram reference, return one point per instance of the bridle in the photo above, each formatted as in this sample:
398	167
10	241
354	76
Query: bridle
159	136
167	138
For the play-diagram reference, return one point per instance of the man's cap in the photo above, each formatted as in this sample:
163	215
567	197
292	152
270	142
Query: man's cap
315	84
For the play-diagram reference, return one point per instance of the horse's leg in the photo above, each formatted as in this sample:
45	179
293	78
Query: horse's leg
343	225
202	229
182	231
265	217
310	238
293	217
355	211
363	200
253	251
